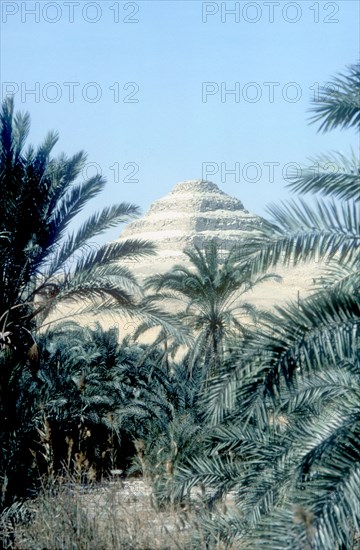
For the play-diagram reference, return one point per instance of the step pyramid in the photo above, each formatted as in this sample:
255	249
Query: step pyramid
195	212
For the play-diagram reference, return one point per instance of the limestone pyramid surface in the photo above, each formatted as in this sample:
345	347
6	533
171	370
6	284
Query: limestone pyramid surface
195	212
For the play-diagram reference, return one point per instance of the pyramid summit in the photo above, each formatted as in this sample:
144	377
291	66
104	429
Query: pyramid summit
193	213
203	196
198	186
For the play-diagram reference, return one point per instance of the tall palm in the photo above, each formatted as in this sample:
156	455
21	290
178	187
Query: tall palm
210	292
42	264
287	417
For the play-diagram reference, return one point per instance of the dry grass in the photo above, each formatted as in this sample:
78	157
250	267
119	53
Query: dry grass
114	515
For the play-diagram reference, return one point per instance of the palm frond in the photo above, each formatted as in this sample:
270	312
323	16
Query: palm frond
338	105
20	132
324	331
302	233
155	317
333	175
71	204
111	252
95	225
343	277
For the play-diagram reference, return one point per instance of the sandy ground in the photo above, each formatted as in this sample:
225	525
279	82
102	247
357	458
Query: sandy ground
133	500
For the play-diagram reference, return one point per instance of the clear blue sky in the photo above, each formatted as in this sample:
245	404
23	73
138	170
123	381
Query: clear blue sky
168	50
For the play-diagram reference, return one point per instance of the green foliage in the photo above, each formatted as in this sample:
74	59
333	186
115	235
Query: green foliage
95	405
209	293
95	397
42	264
338	105
165	418
269	414
285	413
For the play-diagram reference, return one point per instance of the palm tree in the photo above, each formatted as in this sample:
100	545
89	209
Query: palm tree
164	416
75	398
330	229
286	418
210	291
42	264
